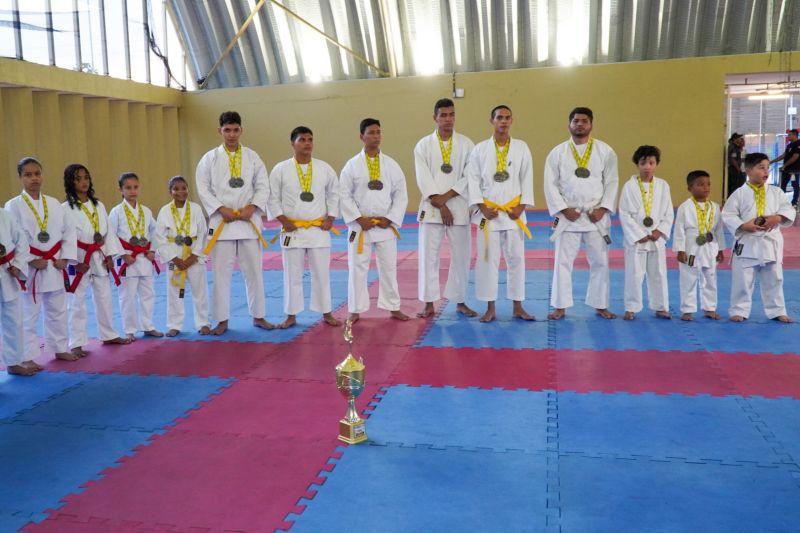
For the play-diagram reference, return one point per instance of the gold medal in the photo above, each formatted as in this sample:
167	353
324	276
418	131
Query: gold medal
446	168
375	185
500	176
648	221
307	196
582	172
700	240
43	237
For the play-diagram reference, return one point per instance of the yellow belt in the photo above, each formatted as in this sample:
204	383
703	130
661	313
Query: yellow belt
316	223
361	235
178	278
506	208
213	241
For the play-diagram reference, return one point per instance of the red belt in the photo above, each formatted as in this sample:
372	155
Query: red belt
90	249
135	250
7	259
49	255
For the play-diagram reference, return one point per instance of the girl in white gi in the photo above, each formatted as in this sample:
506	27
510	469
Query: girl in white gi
500	176
96	249
135	227
180	238
51	237
699	241
645	212
373	203
754	213
304	197
14	257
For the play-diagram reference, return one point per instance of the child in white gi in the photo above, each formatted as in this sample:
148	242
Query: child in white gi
645	212
699	241
14	257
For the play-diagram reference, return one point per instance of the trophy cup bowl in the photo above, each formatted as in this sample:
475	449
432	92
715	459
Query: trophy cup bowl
350	382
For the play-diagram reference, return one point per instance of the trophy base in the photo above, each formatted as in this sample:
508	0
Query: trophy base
352	432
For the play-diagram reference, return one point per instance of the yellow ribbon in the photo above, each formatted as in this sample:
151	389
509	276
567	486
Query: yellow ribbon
42	224
235	161
215	236
582	162
647	199
446	149
361	235
704	222
136	226
305	179
761	198
93	217
316	223
506	208
501	156
374	166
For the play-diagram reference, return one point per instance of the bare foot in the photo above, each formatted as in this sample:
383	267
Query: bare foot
67	356
521	313
153	333
33	365
784	318
131	337
19	370
331	320
398	315
173	333
629	315
221	328
289	322
688	317
488	316
263	324
664	314
205	330
465	310
713	315
117	340
737	318
558	314
426	311
605	313
79	351
354	317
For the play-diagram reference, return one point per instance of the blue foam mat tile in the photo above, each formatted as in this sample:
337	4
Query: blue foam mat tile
602	494
15	520
782	418
18	393
472	491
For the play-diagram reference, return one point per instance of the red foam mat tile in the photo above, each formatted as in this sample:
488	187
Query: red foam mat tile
101	358
767	375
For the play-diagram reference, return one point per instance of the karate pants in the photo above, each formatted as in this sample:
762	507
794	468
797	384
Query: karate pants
103	310
651	264
55	325
430	247
319	262
567	246
223	255
133	288
11	318
358	269
743	279
691	278
197	281
511	242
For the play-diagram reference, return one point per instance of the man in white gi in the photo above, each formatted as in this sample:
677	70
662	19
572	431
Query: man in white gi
580	184
233	187
500	178
304	197
373	203
440	159
14	259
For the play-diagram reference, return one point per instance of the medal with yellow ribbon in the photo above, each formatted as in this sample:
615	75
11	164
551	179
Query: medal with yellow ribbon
42	236
583	162
94	220
182	226
135	225
235	166
647	200
305	181
761	200
374	167
447	151
705	221
501	174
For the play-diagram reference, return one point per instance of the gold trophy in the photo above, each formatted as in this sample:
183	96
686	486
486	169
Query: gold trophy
350	382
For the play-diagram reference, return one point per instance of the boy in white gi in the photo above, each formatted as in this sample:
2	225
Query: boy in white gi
373	203
440	160
96	250
645	212
233	187
134	226
500	177
580	184
51	238
180	239
699	241
304	197
754	213
14	257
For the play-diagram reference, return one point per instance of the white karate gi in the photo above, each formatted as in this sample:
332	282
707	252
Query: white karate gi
431	180
238	238
358	200
314	243
761	252
563	189
50	291
97	277
645	258
11	315
196	276
703	273
504	234
138	278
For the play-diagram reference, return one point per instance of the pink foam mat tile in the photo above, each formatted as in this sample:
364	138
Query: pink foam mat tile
477	367
374	327
277	409
207	481
102	358
632	371
767	375
317	361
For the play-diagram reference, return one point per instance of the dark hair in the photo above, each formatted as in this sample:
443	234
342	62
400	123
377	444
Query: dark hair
581	111
367	122
126	176
735	136
646	151
751	160
793	130
70	173
695	175
440	103
230	117
26	161
298	131
175	179
498	108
